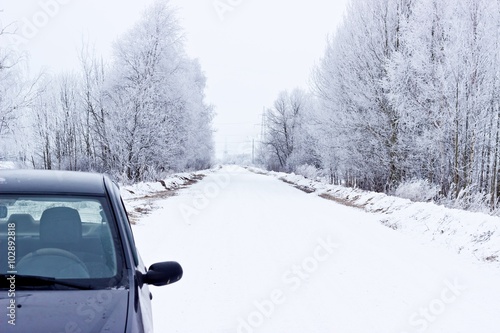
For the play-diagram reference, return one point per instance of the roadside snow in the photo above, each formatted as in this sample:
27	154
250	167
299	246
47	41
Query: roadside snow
8	165
473	234
173	182
140	198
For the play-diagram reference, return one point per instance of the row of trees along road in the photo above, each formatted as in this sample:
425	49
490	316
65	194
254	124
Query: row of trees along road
137	116
407	91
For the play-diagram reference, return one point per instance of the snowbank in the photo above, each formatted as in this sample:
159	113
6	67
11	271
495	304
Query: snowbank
171	183
140	198
474	234
8	165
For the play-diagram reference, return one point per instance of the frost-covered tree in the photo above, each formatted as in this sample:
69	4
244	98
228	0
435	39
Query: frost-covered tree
136	117
409	90
96	120
350	83
156	98
9	85
443	81
289	141
58	125
17	92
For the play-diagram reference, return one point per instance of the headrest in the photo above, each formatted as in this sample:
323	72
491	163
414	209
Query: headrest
60	225
23	222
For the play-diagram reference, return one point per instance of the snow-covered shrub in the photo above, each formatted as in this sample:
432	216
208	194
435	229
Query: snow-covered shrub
469	199
417	190
308	171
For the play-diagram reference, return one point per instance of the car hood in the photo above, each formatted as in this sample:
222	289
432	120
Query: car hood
67	311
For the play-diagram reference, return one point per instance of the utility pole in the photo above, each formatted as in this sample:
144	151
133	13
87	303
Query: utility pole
224	158
263	124
253	151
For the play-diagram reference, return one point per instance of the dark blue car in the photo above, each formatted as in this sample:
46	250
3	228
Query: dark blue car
68	262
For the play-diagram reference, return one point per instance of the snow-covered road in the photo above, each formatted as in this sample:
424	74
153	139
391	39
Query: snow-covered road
261	256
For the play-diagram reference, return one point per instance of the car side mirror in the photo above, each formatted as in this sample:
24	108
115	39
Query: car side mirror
163	273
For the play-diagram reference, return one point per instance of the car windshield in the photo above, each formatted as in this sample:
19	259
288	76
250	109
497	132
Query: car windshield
59	239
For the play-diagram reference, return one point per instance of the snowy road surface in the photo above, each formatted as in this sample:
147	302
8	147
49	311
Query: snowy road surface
261	256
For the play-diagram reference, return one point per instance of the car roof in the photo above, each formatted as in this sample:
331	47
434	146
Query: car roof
51	182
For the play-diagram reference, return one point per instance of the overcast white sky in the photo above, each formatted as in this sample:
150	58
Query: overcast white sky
249	53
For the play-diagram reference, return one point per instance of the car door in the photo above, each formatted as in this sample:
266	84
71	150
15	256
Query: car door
139	292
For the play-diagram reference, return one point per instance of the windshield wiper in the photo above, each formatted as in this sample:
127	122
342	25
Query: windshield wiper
27	281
